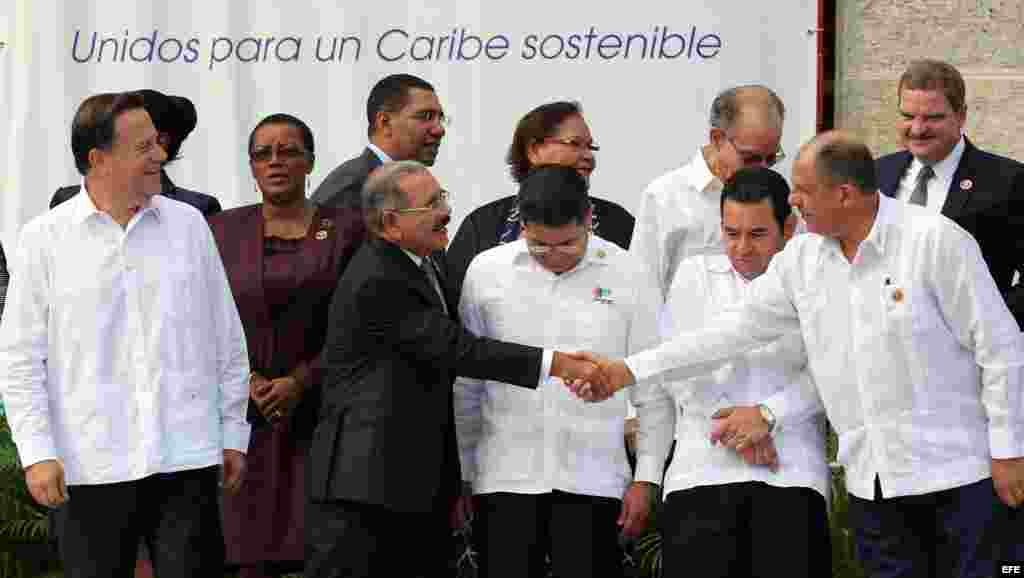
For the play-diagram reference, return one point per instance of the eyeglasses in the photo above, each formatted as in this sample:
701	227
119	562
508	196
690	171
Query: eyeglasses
750	159
289	153
430	116
575	143
572	247
440	200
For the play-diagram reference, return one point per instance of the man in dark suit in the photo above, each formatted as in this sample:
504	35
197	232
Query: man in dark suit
404	122
383	468
174	118
942	170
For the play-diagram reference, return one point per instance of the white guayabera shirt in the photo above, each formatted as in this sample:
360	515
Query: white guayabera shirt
121	350
916	357
679	217
773	373
518	440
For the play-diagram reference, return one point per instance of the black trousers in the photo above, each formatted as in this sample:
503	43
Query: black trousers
175	515
964	532
354	540
746	529
515	533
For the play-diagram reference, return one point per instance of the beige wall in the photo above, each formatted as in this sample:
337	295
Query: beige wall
984	39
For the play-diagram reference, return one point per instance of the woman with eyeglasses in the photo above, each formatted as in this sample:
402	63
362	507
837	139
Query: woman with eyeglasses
283	257
551	134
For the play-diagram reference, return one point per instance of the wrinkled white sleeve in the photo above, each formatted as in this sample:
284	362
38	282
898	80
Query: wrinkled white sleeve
24	349
647	243
800	400
232	353
655	410
977	315
469	392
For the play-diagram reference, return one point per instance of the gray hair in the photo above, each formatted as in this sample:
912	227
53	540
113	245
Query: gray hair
842	158
381	191
726	107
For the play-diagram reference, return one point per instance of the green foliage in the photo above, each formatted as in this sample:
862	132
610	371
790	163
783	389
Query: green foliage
648	545
24	531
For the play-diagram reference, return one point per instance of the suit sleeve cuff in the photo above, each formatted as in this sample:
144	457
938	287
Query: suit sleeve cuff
236	436
648	470
545	365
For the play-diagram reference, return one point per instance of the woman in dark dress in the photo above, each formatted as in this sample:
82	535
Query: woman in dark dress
283	258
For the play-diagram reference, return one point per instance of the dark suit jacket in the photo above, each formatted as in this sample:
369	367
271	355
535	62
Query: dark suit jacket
343	187
482	228
986	198
386	431
208	205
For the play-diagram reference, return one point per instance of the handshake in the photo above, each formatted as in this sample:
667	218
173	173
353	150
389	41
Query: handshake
590	376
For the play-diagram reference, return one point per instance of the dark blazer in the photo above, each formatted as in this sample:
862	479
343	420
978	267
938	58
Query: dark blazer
208	205
343	187
386	430
986	198
482	228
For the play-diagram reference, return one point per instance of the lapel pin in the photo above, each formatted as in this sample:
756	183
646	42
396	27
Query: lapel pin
966	185
321	235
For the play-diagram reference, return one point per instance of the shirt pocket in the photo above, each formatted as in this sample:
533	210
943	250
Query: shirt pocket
598	326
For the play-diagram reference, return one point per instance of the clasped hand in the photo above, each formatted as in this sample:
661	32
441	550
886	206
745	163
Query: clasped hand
743	430
590	376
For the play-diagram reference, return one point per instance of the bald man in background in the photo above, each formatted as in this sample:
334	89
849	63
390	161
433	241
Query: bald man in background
679	213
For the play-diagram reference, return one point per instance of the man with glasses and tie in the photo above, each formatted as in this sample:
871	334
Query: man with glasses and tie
383	468
942	170
679	215
548	472
405	122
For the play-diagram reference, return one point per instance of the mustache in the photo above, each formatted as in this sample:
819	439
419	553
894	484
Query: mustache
442	223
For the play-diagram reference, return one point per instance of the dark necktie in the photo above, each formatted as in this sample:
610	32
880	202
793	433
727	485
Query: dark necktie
920	194
431	273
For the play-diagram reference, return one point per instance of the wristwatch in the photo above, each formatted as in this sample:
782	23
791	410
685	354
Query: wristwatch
767	415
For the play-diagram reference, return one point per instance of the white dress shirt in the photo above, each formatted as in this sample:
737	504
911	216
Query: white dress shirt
513	439
938	186
383	156
679	217
121	351
774	374
916	357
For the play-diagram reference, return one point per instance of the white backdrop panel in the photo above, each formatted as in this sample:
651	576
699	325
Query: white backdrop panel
648	113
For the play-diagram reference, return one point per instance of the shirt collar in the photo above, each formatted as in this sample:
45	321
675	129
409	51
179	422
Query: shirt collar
597	254
945	168
415	258
720	264
701	176
383	156
887	208
83	208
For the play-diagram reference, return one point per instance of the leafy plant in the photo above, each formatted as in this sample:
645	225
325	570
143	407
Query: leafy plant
24	531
